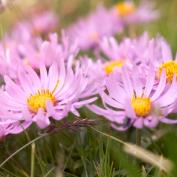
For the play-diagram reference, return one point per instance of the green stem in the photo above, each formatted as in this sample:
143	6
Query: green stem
32	159
138	137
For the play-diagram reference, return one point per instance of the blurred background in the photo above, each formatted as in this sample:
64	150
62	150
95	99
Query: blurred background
70	10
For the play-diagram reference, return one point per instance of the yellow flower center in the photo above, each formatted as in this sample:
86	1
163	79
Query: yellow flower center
170	68
141	106
125	8
39	100
110	66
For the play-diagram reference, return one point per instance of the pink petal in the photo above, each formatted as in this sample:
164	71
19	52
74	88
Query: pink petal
160	87
53	77
170	96
43	75
138	123
127	83
168	121
151	122
149	83
41	120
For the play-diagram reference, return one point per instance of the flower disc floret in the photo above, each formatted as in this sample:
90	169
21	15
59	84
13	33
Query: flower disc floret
110	66
170	68
125	8
141	106
39	100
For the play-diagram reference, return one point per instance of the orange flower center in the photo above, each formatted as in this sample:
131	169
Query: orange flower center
39	100
125	8
110	66
141	106
170	68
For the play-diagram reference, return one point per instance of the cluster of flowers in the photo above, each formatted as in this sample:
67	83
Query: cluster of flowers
47	79
107	22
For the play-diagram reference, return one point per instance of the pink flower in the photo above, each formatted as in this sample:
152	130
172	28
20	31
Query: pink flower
9	60
17	53
128	13
50	51
131	101
52	94
9	124
38	25
118	54
11	127
89	30
94	71
143	52
44	23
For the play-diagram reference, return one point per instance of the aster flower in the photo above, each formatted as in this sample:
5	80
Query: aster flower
94	71
21	39
129	13
44	23
131	101
9	124
50	51
89	30
127	53
15	53
20	32
39	25
143	52
12	127
9	60
156	53
118	54
52	94
165	60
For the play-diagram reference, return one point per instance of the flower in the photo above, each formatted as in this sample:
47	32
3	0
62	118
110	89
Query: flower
44	23
165	61
131	101
9	124
127	53
118	54
9	60
125	8
128	13
10	127
89	30
94	71
143	52
18	53
54	93
24	46
39	24
50	51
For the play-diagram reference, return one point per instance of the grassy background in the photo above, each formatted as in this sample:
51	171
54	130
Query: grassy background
84	152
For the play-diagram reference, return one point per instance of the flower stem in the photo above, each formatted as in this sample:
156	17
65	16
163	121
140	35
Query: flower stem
138	137
32	159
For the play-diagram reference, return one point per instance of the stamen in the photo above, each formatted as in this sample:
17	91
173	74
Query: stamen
170	68
125	8
39	100
141	106
110	66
